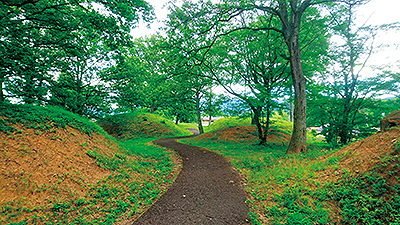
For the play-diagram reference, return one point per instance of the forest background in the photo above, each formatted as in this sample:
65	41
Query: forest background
305	58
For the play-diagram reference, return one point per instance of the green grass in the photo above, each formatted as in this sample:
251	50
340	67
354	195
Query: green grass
186	126
286	189
138	173
43	119
228	122
139	125
371	198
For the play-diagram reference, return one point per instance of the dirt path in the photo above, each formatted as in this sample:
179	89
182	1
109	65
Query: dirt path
207	191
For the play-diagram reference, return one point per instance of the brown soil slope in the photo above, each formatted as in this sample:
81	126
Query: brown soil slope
38	168
364	155
242	134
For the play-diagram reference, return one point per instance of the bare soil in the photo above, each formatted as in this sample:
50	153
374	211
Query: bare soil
364	155
37	166
242	134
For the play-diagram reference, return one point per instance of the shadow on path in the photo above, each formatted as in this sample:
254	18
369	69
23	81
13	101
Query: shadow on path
207	191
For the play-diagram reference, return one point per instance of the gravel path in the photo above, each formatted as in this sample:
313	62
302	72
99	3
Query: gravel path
207	191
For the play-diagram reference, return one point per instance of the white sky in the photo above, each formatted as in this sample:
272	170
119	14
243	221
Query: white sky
378	11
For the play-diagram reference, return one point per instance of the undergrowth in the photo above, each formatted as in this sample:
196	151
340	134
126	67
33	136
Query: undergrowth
138	174
132	185
287	189
371	198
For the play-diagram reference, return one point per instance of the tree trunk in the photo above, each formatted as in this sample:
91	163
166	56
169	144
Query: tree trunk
153	106
298	142
291	111
199	122
253	120
2	97
261	136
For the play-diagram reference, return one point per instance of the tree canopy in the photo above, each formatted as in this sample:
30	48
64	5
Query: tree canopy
40	40
80	55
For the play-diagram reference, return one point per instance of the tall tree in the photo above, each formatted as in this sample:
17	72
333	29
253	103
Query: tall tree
345	92
252	61
206	22
138	78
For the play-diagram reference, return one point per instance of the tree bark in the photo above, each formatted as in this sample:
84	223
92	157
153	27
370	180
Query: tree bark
261	136
2	97
291	22
298	142
153	106
200	125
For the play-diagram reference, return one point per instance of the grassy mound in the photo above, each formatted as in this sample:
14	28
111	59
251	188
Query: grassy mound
59	168
134	125
358	184
244	134
227	122
239	130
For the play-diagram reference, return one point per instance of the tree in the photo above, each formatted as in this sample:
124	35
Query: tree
206	22
252	61
194	85
36	35
80	97
212	104
229	19
138	78
345	95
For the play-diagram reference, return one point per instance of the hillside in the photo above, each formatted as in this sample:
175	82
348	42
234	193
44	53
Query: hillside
135	125
59	168
243	134
365	156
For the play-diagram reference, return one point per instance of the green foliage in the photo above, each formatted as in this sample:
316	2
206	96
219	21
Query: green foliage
139	80
367	199
228	122
39	38
80	97
346	106
43	118
137	124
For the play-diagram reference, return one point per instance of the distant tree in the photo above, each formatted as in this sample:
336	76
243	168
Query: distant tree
77	96
254	63
138	78
248	54
212	104
344	96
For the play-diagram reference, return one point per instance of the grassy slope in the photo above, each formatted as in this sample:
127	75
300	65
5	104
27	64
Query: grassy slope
358	184
135	125
59	168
